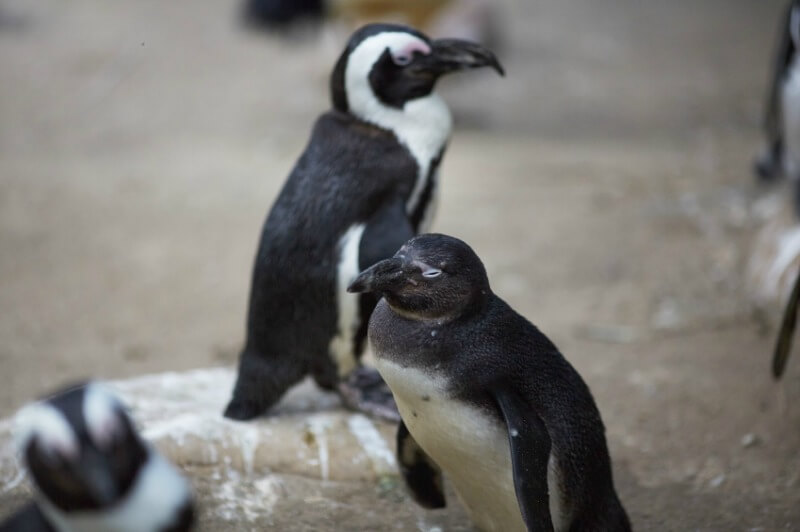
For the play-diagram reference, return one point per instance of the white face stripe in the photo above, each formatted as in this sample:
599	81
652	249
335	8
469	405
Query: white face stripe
360	96
341	346
423	125
100	411
46	423
153	502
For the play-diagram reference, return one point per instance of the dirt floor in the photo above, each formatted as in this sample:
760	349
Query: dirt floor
605	183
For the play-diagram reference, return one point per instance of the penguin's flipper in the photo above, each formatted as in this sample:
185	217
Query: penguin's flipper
786	334
422	475
530	452
386	231
27	519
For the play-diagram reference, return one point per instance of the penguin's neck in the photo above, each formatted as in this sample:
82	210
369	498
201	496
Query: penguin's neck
423	126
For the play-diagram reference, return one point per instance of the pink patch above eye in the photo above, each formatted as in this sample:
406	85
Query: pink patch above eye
414	46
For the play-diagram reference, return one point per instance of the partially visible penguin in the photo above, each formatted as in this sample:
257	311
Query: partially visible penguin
91	470
781	153
282	13
366	183
485	398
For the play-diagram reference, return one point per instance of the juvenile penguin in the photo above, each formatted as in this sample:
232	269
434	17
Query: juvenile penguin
91	470
365	184
485	398
781	153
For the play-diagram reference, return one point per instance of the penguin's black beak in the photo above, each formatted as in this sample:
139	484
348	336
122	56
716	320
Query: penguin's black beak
381	277
450	55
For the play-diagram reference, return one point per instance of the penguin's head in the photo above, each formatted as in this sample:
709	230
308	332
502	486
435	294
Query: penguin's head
80	448
85	457
432	276
386	65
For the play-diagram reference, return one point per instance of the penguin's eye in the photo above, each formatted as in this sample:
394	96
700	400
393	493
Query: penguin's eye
431	273
401	59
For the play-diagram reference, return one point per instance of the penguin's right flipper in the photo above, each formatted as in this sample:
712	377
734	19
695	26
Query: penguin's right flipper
423	477
786	334
27	519
530	452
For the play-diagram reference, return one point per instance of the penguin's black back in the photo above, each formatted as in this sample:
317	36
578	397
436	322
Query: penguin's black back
494	344
348	170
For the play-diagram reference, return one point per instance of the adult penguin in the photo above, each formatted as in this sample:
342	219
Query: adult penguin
365	183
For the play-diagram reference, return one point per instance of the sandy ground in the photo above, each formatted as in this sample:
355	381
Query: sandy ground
605	182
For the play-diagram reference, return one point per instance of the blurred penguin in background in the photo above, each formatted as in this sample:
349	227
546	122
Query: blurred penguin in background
465	19
781	153
92	471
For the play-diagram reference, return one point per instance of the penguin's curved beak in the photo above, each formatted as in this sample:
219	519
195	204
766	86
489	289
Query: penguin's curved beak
450	55
380	277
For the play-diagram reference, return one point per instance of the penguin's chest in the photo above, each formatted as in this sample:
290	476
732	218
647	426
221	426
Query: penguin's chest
468	444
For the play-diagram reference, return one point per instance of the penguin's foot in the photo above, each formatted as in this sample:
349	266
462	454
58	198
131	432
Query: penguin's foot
363	390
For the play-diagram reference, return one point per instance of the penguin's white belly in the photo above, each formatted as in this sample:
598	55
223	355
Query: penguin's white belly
342	347
470	446
791	123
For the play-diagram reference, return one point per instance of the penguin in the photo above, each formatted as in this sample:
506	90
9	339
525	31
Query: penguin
276	14
781	152
280	14
92	472
783	345
485	398
366	183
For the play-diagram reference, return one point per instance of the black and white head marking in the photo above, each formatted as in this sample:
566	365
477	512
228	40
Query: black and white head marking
386	76
431	277
92	470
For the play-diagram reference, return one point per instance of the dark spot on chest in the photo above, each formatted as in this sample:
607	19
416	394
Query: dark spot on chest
426	397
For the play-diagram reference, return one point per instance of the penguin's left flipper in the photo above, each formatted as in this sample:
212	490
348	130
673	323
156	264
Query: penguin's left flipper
530	452
363	390
786	334
423	477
